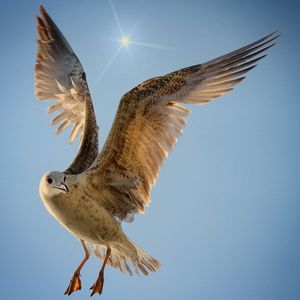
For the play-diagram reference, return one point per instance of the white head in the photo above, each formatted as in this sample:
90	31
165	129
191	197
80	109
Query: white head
53	184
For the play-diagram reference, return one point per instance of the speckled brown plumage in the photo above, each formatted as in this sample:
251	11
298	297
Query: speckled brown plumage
149	120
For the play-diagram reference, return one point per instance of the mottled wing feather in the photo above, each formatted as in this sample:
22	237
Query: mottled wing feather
60	76
149	120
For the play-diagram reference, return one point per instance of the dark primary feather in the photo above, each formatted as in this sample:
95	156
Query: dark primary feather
149	120
60	76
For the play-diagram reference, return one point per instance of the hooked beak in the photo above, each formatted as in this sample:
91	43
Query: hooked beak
64	188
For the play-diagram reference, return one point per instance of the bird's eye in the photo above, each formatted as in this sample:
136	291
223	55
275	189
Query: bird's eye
49	180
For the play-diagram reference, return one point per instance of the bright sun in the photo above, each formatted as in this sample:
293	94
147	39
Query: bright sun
124	41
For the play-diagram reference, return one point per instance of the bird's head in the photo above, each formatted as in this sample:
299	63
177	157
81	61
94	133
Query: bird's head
53	183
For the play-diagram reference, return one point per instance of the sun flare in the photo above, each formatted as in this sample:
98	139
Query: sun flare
124	41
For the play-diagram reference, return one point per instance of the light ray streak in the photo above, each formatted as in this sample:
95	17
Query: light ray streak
114	56
116	17
151	45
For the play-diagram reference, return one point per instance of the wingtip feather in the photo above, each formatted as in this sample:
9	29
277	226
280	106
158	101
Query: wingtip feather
42	9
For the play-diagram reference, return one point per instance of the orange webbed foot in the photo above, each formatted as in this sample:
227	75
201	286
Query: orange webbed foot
75	284
97	287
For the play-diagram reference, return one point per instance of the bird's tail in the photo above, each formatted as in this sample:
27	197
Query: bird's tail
127	255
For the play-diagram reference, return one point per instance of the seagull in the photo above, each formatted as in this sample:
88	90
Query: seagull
101	189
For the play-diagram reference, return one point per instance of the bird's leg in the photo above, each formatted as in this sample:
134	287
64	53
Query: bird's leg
97	287
75	282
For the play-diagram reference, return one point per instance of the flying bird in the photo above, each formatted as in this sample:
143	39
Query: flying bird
100	190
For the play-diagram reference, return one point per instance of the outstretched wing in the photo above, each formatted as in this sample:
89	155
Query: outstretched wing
60	76
149	120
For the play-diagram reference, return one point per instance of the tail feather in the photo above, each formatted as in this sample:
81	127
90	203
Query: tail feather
126	256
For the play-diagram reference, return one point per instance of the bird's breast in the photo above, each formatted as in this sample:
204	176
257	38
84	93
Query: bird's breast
80	214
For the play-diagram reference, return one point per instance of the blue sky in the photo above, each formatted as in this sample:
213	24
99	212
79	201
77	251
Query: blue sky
224	219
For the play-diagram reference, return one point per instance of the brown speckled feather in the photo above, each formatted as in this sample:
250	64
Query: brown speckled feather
149	120
60	76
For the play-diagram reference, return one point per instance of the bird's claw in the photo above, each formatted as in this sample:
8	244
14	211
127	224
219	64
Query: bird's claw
97	287
75	284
